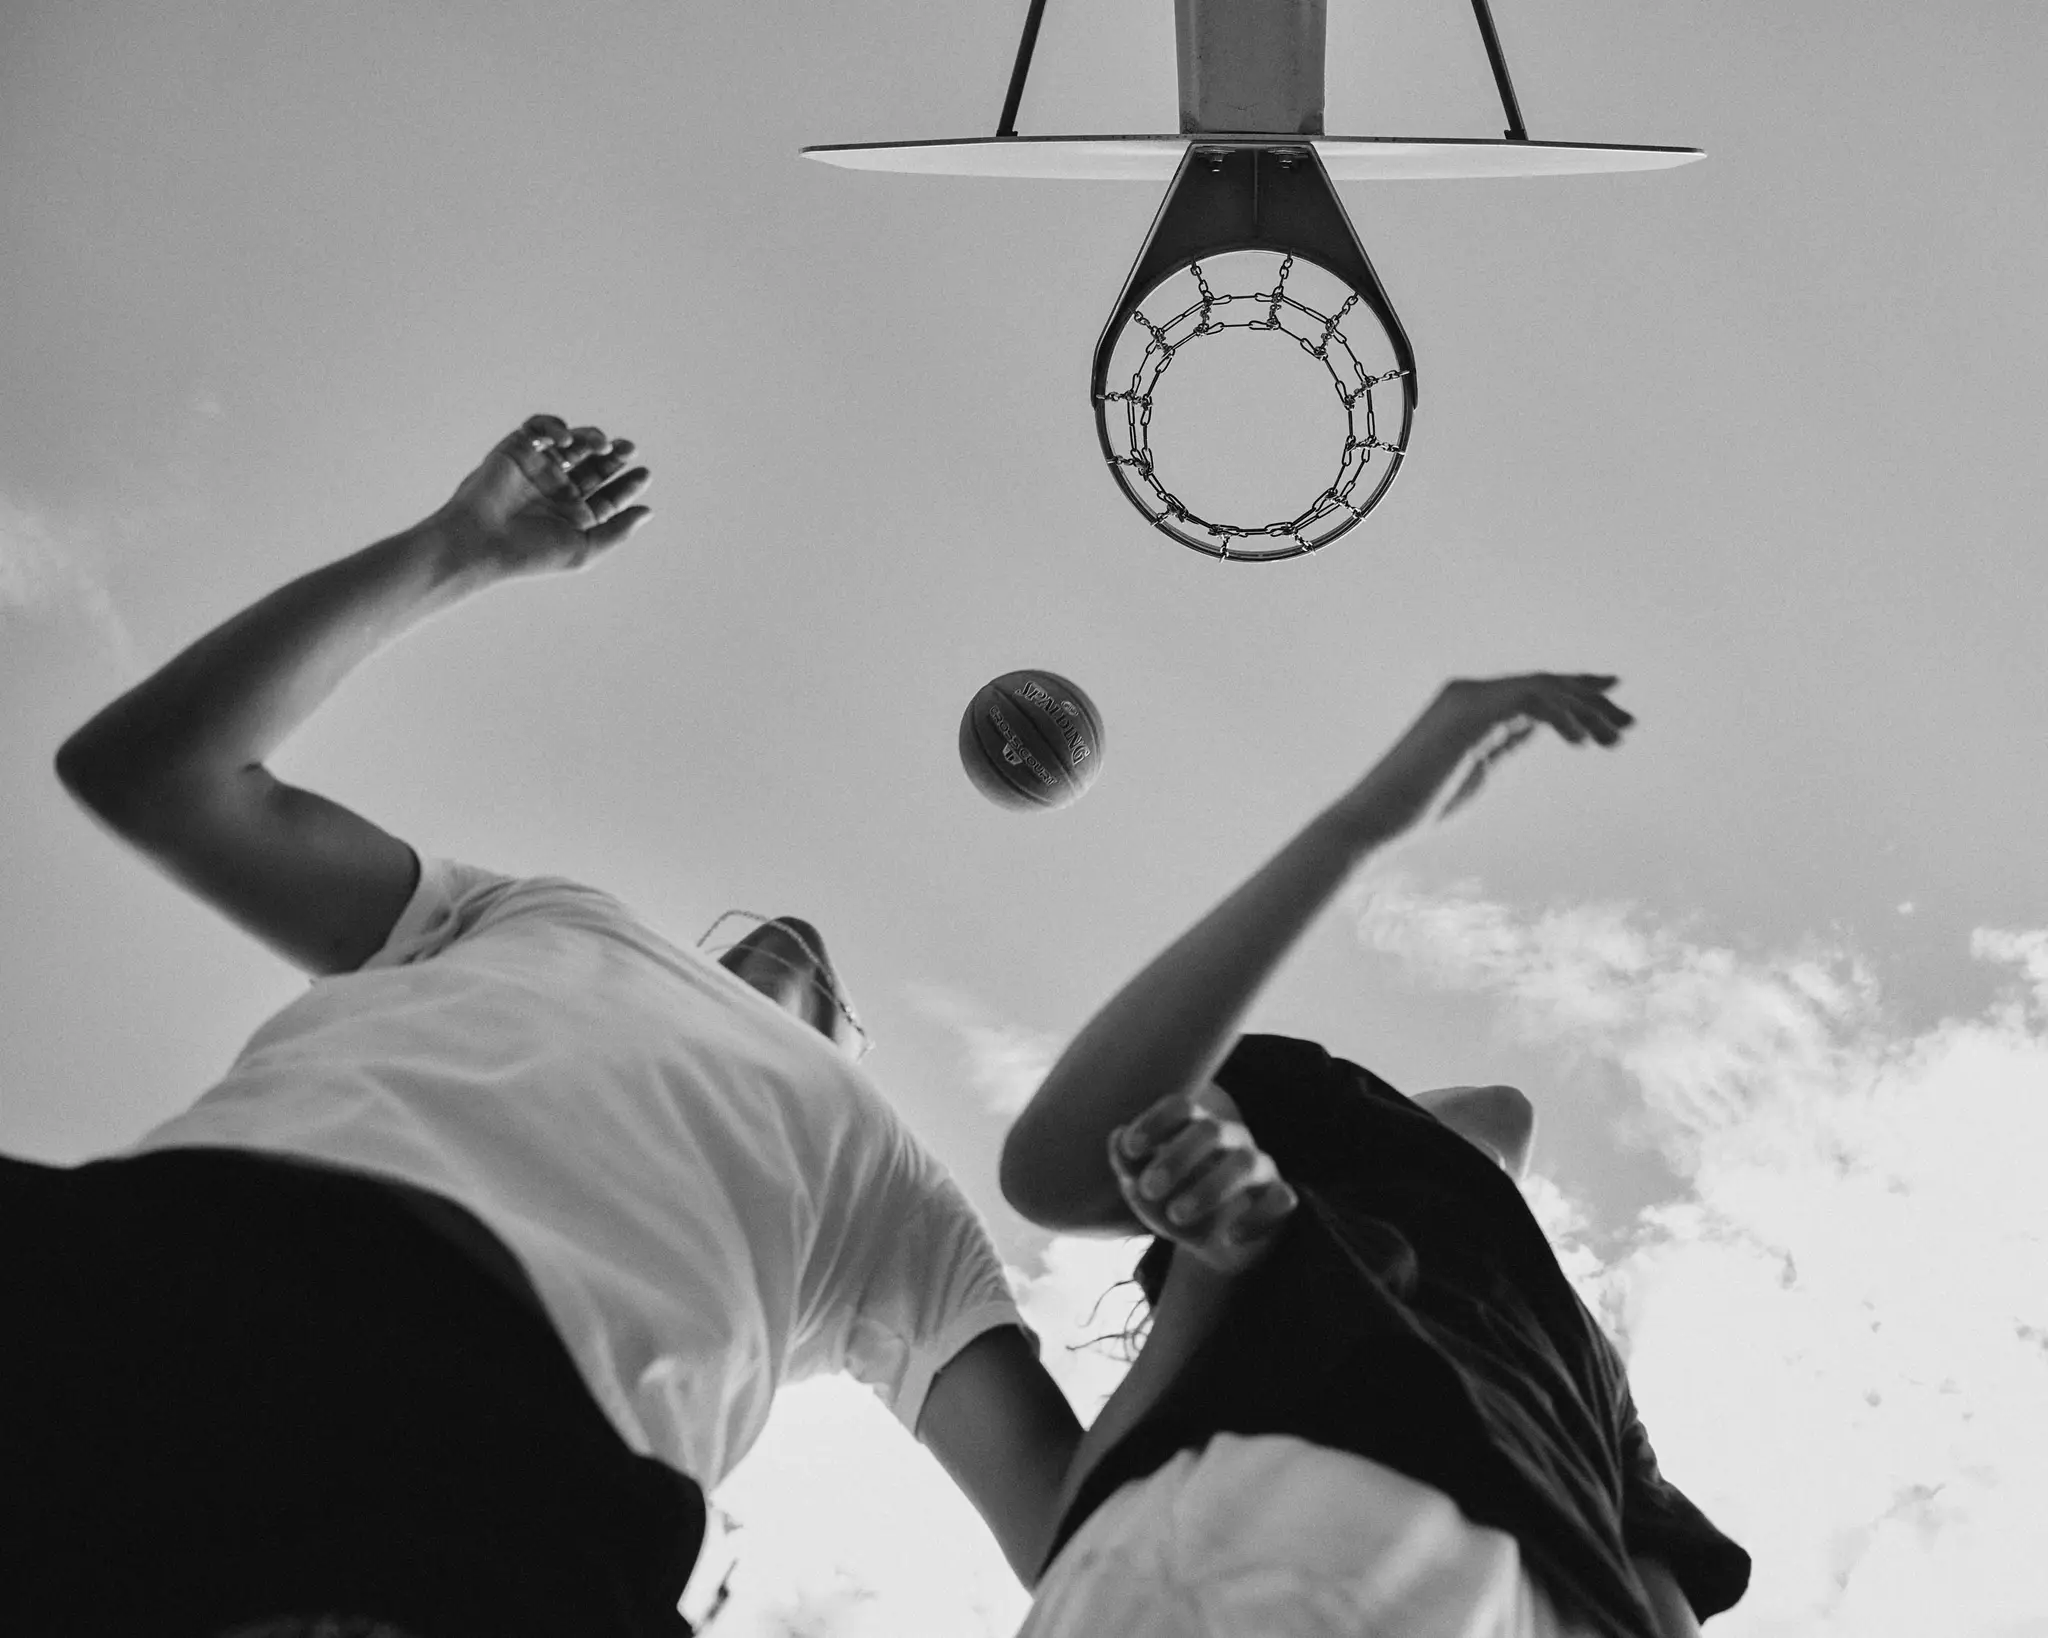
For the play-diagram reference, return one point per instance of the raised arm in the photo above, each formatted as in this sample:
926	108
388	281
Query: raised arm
1166	1031
175	767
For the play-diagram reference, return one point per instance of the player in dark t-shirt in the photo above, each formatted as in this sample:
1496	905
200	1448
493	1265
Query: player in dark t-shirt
1406	1347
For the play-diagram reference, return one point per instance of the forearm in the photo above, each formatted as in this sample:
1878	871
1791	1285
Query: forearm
225	703
1674	1613
1167	1030
1189	1307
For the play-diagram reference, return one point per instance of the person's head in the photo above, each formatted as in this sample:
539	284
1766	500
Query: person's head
1498	1120
785	959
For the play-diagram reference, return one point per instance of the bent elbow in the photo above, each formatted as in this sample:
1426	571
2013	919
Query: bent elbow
127	796
1049	1181
1038	1181
1017	1175
85	776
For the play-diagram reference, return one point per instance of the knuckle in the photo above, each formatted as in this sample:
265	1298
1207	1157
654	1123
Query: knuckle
1235	1166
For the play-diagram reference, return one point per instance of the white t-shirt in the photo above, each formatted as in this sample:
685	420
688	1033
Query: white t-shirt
709	1198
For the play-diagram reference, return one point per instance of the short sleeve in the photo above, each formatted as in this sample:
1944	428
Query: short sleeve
1659	1521
937	1286
443	904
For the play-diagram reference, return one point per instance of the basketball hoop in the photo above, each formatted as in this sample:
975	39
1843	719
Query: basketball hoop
1124	418
1276	203
1251	169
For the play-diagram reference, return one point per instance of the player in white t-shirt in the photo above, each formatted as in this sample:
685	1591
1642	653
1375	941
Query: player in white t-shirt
507	1123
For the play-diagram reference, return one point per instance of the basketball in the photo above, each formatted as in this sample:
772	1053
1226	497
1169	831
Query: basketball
1031	739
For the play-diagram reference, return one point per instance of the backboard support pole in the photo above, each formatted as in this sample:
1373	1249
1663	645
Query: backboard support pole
1007	126
1497	59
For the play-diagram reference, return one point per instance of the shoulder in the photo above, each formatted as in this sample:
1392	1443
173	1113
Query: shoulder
453	900
1499	1120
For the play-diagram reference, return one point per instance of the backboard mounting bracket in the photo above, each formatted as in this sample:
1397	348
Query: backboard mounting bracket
1482	12
1265	197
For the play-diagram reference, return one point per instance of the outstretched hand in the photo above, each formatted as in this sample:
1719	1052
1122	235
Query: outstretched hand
1190	1170
1444	758
547	499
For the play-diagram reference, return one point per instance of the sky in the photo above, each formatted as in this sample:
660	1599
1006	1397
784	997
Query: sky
1760	435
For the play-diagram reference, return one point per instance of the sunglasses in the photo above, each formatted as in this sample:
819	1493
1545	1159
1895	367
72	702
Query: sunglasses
820	969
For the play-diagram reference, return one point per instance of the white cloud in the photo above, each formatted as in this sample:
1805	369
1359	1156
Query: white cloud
1839	1334
1005	1060
1081	1303
43	578
848	1529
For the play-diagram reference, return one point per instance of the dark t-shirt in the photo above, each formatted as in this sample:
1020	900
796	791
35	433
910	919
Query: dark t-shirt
1413	1312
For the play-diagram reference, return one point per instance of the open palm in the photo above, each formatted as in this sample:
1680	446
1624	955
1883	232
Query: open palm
548	499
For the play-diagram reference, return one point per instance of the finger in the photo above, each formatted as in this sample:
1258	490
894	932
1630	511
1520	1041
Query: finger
592	467
1468	787
540	463
1152	1216
1549	708
1610	712
1219	1178
1226	1178
1178	1161
585	441
1592	689
1127	1168
551	429
616	495
613	530
1158	1123
1600	717
1604	729
1587	720
1262	1213
595	470
1508	738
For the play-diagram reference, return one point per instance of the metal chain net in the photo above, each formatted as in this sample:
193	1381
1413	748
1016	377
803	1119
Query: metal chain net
1320	336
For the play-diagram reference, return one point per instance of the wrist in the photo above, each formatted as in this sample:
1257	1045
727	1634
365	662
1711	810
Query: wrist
454	553
1193	1287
